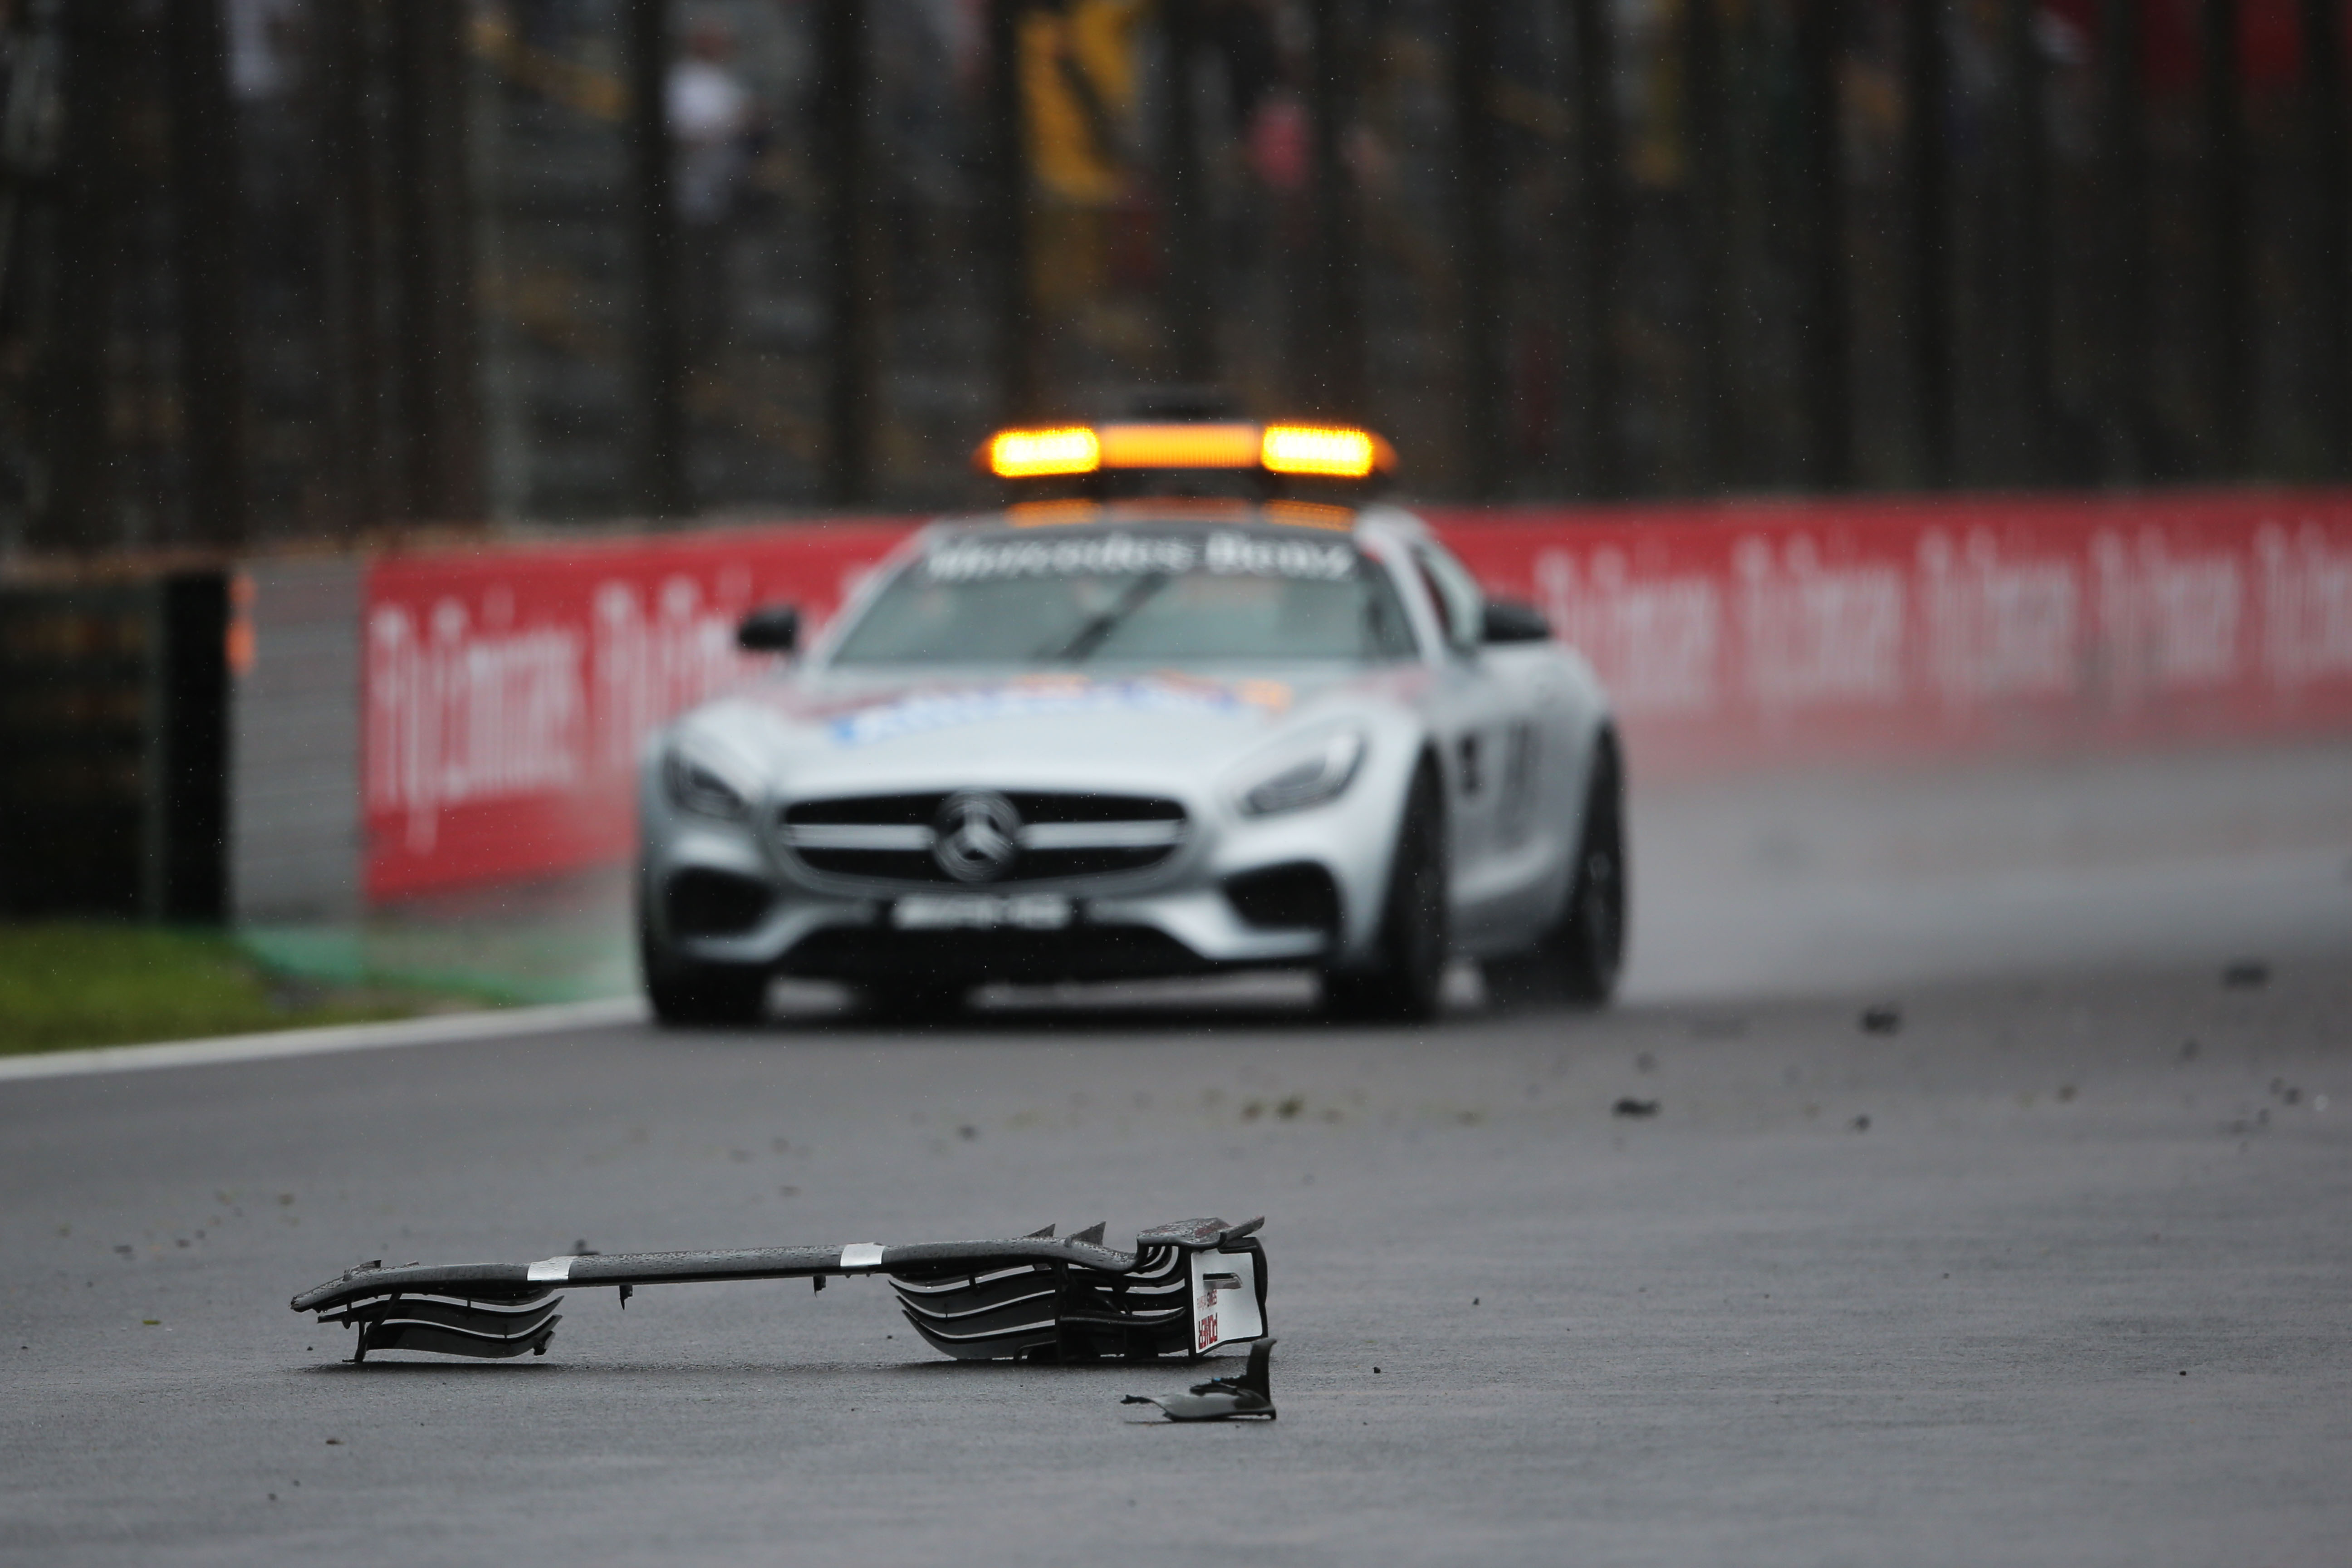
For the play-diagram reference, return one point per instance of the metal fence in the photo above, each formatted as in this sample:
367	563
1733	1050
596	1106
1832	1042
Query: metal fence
280	269
113	715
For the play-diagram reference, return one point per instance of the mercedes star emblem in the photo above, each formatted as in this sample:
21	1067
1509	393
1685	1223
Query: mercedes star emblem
977	835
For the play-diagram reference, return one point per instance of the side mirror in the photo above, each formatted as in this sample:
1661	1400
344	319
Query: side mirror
771	629
1507	620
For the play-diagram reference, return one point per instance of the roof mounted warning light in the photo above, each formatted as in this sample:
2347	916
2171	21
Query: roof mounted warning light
1038	454
1188	458
1338	452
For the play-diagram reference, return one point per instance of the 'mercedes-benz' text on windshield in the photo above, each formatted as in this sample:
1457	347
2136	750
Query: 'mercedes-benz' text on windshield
1222	555
1156	597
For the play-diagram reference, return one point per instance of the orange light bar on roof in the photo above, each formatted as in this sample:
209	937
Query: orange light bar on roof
1331	451
1180	446
1035	454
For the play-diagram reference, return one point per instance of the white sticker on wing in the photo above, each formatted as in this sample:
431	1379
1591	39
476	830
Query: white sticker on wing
1225	1299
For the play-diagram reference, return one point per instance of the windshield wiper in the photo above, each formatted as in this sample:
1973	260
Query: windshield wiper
1082	643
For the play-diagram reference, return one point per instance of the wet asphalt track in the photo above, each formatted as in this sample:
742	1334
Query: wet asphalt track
2057	1272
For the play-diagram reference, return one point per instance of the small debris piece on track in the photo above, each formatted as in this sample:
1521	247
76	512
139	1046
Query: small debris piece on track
1221	1398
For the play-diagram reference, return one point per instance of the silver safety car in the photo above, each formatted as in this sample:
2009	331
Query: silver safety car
1145	729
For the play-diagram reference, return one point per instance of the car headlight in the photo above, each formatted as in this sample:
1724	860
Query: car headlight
1307	772
695	786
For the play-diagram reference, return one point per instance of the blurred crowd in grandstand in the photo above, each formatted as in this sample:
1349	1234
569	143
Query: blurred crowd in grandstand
276	269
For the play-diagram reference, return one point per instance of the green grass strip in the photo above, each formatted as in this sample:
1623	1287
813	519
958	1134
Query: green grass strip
69	984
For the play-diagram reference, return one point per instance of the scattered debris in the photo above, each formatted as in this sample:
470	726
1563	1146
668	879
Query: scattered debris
1630	1107
2246	973
1186	1288
1221	1398
1883	1018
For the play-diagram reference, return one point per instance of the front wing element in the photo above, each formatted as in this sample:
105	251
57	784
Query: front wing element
1189	1286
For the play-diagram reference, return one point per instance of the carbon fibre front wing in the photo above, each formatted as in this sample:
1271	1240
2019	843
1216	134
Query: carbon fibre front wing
1188	1288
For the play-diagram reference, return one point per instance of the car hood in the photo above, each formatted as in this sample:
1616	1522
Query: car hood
819	732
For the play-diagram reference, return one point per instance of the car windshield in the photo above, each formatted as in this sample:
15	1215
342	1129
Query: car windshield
1129	595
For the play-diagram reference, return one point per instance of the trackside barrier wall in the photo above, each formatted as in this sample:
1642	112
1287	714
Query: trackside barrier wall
507	691
1734	637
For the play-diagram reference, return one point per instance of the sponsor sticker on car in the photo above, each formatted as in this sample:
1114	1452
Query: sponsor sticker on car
1060	696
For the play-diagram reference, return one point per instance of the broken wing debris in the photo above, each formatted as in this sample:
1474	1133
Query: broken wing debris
1189	1286
1221	1398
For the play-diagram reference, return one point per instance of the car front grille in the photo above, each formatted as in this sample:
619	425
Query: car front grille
891	838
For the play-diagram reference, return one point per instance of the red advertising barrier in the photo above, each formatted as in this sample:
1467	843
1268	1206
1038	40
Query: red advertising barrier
1736	635
508	691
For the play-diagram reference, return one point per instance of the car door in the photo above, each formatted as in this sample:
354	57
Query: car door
1486	734
1538	808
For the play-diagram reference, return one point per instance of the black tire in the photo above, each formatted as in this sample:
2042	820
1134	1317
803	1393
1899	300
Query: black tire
1577	959
1409	972
686	993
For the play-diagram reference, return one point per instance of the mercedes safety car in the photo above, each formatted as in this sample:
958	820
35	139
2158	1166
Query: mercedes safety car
1196	700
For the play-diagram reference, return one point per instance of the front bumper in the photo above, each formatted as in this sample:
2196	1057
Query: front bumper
1194	913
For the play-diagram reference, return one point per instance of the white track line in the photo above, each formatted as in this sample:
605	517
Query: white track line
488	1024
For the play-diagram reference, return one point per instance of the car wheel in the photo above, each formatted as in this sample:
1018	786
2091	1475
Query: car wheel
1578	958
685	992
1409	970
